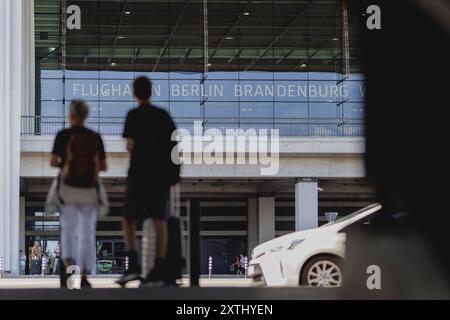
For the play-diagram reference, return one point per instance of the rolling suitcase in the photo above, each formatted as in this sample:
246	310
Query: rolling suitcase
35	266
174	258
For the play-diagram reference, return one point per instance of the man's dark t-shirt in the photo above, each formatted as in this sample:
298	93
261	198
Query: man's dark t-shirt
151	130
62	140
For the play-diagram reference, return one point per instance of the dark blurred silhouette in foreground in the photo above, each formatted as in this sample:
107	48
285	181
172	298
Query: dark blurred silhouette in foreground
406	68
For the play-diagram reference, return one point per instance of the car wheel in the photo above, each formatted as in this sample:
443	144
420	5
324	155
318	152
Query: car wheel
322	271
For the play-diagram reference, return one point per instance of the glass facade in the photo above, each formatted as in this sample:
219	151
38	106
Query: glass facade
223	232
289	65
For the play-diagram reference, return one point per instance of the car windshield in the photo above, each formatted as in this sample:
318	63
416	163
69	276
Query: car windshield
351	215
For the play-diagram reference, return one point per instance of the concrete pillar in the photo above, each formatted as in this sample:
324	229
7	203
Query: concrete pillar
266	219
306	205
11	104
252	225
28	59
22	225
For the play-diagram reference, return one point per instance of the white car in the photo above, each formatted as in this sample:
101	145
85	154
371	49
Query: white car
311	258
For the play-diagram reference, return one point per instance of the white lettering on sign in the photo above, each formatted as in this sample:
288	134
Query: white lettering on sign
196	90
291	91
189	90
107	90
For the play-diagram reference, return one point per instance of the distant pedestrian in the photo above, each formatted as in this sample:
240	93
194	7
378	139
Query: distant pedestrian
36	256
45	263
22	262
236	265
242	263
50	263
56	254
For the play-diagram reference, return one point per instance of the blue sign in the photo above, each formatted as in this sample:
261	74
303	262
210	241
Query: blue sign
291	93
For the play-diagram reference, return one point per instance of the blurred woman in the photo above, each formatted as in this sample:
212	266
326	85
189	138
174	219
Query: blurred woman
36	256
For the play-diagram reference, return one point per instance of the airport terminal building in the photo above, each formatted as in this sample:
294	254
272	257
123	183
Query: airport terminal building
282	69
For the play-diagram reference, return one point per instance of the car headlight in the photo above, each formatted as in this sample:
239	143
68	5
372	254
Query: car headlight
295	243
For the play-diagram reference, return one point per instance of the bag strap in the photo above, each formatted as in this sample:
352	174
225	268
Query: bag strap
174	200
97	189
58	185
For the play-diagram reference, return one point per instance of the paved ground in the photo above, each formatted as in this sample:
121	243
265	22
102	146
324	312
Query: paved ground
218	289
109	282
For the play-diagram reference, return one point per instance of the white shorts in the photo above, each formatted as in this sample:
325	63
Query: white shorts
78	228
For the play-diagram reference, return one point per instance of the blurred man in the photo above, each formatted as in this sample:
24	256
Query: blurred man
56	254
151	174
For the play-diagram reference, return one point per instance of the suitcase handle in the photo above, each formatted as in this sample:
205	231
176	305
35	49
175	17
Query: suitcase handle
175	200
